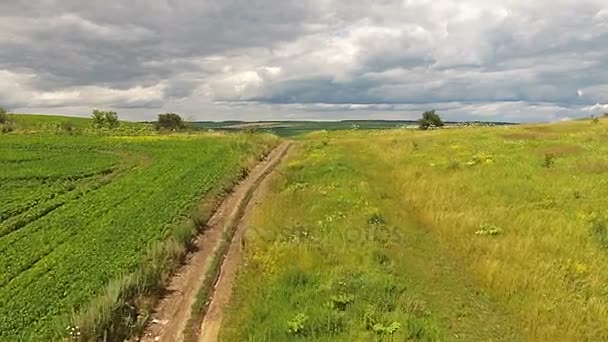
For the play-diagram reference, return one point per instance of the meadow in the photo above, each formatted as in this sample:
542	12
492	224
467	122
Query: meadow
475	234
88	223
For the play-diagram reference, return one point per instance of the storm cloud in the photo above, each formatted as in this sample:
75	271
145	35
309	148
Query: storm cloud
321	59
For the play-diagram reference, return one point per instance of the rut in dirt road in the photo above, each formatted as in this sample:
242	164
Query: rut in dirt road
171	315
222	292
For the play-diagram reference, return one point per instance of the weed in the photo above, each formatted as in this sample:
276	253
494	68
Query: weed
389	329
376	219
296	278
599	229
417	307
480	158
488	230
297	325
549	160
372	322
416	329
342	301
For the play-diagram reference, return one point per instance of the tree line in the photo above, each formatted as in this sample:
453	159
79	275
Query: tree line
109	120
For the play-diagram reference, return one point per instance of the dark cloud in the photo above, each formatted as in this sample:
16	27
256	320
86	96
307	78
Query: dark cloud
524	60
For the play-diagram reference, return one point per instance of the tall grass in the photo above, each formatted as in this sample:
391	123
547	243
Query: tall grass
470	234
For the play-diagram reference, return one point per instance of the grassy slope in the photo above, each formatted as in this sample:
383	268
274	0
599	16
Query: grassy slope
78	212
32	121
38	122
366	231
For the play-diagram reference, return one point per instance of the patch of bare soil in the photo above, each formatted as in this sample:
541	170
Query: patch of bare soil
169	318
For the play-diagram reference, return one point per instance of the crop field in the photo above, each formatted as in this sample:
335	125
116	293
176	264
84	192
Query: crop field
480	234
79	212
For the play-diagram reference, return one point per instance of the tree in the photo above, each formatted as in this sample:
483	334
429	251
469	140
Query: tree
430	119
170	121
112	120
3	116
105	119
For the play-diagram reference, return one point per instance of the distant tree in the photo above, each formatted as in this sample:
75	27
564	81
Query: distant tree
430	119
112	120
105	119
98	118
170	121
3	116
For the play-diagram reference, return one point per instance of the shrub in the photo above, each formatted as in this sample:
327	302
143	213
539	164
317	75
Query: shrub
430	119
595	120
105	119
6	128
170	121
68	127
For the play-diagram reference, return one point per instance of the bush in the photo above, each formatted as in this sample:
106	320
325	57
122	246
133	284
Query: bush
105	119
6	127
430	119
170	121
68	127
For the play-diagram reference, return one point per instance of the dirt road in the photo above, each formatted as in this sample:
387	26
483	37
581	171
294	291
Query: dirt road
173	311
212	322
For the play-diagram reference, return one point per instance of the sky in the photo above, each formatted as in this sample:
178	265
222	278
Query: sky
511	60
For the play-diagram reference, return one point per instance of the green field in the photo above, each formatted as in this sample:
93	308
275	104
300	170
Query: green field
480	234
84	218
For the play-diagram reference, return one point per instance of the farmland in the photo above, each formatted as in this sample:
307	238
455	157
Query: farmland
461	234
84	217
481	234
